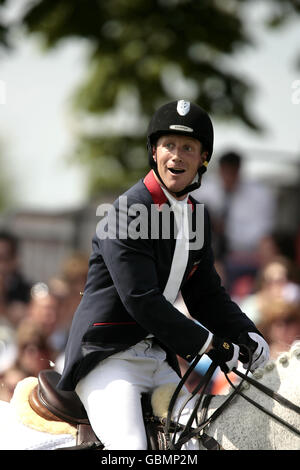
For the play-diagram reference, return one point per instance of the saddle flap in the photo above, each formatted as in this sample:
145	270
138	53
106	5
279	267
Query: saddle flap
66	405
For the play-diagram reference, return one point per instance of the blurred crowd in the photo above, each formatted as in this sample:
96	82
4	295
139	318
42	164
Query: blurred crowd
34	317
259	267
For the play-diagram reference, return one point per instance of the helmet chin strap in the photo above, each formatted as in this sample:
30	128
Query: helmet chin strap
196	183
191	187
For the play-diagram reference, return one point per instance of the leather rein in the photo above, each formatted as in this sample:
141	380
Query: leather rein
188	432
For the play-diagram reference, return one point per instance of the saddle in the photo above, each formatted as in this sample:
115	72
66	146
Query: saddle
57	405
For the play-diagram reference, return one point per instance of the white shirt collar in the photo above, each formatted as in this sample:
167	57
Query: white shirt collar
173	200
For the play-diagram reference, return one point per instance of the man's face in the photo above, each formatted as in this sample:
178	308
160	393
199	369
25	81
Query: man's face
44	312
178	159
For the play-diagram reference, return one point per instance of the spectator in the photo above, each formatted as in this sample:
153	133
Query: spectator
274	307
74	274
277	244
268	249
281	326
14	289
242	213
44	311
9	380
34	350
67	289
8	350
271	248
33	354
276	286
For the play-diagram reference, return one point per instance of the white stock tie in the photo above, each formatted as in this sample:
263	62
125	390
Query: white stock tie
181	253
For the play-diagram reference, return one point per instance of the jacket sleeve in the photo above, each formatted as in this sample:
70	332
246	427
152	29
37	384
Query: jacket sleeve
132	266
209	303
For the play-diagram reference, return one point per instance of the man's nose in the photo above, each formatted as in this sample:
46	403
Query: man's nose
177	153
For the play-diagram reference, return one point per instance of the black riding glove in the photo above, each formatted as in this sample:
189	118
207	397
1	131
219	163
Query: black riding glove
224	353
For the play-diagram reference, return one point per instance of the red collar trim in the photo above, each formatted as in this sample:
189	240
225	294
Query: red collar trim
156	192
191	204
154	189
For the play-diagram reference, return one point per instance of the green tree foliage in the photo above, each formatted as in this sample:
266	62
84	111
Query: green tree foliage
148	51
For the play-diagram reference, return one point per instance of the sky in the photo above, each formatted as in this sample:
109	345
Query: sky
36	134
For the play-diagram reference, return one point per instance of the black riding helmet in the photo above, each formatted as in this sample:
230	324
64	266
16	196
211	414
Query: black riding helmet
183	118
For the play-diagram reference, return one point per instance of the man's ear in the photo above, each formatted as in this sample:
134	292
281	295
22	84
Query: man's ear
203	166
204	156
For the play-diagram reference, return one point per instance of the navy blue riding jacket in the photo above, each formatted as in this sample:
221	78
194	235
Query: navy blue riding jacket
123	300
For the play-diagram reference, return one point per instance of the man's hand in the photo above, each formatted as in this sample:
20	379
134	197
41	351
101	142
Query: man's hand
224	353
259	350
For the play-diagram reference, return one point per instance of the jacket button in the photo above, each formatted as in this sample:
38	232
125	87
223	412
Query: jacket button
188	356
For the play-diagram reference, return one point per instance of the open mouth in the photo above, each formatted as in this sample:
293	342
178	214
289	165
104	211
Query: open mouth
176	171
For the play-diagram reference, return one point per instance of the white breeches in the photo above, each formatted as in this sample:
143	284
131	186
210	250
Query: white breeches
111	394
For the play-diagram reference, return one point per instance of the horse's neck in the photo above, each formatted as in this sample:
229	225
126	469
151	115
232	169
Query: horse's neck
243	426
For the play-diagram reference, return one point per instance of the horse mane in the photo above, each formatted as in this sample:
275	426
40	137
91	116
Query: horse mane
284	357
282	365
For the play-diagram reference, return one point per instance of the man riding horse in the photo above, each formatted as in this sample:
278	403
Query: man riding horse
126	333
